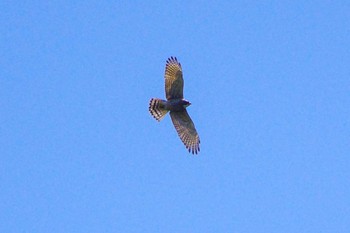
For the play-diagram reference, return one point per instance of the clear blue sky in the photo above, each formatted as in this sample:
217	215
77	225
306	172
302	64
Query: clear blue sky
269	84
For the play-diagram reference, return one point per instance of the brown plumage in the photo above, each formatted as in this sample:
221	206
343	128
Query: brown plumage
177	105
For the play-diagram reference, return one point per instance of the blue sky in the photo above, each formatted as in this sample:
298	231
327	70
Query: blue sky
269	84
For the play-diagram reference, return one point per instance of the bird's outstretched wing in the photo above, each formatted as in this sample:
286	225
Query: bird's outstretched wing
186	130
174	83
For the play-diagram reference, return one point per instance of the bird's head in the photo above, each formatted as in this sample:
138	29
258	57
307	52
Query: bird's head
186	103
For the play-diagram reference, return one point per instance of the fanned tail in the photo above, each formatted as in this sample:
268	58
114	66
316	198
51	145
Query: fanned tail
157	109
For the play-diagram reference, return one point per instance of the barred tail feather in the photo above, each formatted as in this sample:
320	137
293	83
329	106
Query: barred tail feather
157	109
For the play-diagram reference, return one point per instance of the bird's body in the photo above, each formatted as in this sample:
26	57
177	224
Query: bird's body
177	105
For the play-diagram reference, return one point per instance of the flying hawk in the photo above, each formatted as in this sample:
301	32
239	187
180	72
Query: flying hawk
177	105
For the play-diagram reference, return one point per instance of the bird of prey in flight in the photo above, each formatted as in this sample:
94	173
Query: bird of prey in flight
177	105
